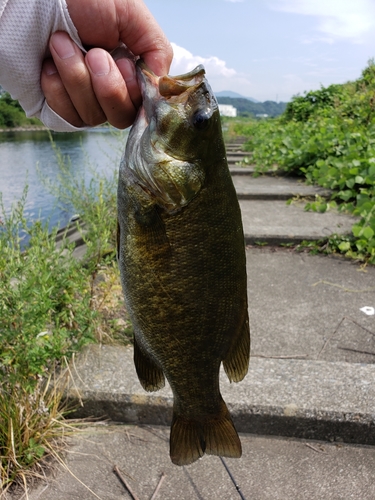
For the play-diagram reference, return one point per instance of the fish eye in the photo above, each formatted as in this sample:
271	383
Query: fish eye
201	119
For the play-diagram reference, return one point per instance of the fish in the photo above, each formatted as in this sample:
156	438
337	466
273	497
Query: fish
181	254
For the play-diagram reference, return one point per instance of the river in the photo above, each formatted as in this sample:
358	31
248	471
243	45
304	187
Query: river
28	157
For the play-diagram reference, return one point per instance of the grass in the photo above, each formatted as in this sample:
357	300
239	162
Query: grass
50	307
31	431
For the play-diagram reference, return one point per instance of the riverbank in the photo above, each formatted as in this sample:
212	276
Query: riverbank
31	128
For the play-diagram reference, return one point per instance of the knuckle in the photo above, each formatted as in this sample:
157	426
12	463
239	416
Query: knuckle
164	47
79	77
95	119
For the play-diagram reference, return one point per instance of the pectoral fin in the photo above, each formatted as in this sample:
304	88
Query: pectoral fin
236	362
179	182
150	375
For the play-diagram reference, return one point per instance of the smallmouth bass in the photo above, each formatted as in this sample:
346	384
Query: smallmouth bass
182	259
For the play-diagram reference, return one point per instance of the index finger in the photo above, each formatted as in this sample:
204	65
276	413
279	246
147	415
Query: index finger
141	33
103	24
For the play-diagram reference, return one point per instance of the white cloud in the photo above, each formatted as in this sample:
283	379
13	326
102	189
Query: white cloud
218	74
350	19
184	61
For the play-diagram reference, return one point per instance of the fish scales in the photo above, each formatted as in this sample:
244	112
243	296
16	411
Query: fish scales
182	260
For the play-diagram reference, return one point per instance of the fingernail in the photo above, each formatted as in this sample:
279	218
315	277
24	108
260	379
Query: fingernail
63	45
127	69
98	62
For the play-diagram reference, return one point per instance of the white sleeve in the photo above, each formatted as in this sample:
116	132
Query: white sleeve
25	29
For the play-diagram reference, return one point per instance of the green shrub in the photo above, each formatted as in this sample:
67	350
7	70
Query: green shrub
328	136
12	115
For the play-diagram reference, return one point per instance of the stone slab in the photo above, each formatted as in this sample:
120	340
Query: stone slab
276	222
238	154
244	170
234	161
309	307
237	148
274	188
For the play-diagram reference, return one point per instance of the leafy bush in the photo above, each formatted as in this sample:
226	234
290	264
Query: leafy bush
302	107
11	113
328	136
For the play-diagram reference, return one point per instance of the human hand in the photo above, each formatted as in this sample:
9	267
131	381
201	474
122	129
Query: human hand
91	89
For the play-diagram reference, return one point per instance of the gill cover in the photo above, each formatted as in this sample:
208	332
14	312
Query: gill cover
169	140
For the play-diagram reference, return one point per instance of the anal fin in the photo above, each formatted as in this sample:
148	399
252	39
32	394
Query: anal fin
150	375
236	363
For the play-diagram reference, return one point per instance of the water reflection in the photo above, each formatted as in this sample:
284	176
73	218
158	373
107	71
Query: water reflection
22	154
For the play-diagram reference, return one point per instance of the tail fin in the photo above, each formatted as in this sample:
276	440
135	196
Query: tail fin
216	435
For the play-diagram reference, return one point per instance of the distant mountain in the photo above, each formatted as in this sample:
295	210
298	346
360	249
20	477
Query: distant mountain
245	107
229	93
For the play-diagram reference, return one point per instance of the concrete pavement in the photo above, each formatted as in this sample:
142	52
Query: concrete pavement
270	469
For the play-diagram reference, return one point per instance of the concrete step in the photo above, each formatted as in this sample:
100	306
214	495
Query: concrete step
238	154
305	399
274	188
234	147
266	216
235	160
268	219
303	311
73	235
235	155
311	371
239	140
241	170
274	222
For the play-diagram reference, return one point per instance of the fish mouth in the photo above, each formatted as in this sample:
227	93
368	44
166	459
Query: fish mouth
160	93
169	87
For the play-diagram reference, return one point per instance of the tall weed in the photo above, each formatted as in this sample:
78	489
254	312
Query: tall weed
44	299
50	306
93	201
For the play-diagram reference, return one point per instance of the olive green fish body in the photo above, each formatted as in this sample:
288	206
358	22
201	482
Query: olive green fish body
182	262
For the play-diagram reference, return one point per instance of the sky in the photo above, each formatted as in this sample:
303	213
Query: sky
269	49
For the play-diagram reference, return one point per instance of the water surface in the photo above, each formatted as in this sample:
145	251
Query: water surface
26	157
